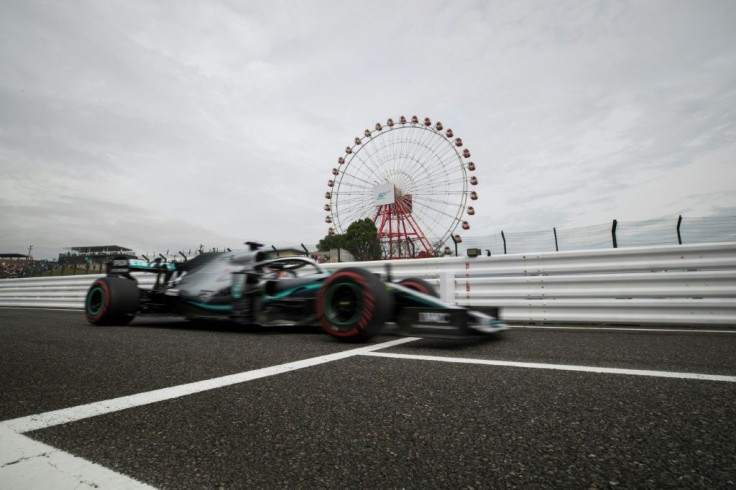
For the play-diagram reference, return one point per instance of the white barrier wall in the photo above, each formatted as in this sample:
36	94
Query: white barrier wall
689	284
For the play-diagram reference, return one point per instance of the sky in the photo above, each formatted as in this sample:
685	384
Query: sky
166	125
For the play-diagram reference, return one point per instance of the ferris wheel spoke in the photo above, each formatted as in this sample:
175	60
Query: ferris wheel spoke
444	159
357	214
439	206
370	162
430	148
357	172
432	227
418	163
371	153
351	191
426	184
401	146
388	149
380	153
410	148
353	177
436	170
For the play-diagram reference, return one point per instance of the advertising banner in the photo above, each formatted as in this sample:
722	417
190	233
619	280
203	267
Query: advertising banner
383	194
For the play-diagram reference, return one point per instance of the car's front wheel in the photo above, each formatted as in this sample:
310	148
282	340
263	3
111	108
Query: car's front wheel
353	304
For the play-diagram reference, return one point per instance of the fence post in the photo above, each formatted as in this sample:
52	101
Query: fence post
447	286
613	233
455	242
557	248
679	237
503	237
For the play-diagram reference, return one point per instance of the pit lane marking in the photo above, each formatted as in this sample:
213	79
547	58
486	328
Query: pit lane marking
558	367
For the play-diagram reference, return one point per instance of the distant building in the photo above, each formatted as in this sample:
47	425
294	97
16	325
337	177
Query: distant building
96	254
16	257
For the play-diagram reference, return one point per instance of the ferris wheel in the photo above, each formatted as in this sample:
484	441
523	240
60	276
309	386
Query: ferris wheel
412	179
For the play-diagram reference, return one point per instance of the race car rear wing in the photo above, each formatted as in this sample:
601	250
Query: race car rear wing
123	266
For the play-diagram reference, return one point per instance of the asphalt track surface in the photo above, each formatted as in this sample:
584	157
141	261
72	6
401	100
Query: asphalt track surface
156	402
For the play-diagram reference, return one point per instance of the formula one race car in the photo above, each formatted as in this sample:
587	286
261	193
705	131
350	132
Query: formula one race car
245	287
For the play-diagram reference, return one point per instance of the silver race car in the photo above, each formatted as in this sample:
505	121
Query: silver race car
349	304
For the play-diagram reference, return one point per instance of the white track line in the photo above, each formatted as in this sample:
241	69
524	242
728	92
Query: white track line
25	463
558	367
621	329
66	415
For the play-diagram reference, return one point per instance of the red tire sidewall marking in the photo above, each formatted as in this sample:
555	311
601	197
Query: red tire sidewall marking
106	304
415	286
369	303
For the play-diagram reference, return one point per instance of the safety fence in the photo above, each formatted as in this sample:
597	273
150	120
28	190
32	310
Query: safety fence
687	284
677	230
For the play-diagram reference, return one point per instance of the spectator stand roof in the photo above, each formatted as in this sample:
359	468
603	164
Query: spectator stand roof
13	256
97	249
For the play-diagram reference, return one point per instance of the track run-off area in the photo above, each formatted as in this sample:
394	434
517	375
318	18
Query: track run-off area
165	403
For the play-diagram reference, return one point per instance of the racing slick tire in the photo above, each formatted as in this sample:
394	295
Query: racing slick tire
419	285
353	305
111	301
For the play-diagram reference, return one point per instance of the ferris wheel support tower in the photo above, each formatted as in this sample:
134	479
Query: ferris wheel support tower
397	228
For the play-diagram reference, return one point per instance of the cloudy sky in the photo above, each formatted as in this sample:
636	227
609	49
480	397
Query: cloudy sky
168	124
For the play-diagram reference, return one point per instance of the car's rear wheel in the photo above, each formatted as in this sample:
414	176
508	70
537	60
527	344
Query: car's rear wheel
353	304
111	301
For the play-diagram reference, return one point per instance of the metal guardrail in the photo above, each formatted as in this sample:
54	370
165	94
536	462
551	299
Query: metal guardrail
65	292
688	284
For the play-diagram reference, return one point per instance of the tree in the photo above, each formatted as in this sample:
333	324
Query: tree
360	239
330	242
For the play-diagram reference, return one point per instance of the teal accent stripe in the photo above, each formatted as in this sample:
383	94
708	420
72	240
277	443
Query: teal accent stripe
211	307
289	292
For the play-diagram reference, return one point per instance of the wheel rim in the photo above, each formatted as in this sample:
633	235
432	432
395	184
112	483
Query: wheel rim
95	300
343	304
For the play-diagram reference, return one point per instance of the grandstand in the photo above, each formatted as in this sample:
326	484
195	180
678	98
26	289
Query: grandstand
11	265
16	257
96	254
